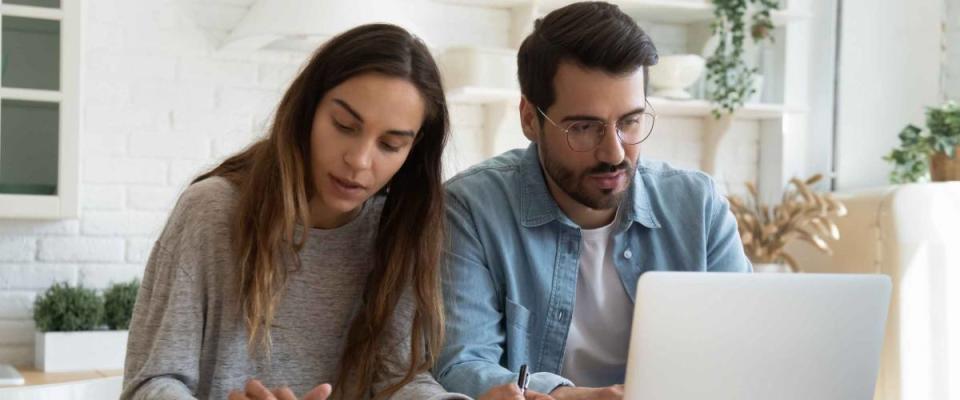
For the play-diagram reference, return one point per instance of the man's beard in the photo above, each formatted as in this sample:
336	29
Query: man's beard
571	182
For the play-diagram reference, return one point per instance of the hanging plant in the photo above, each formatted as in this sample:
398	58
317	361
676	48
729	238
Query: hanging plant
729	77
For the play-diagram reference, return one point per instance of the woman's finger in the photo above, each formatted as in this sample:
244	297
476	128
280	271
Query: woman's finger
284	393
532	395
237	395
319	393
255	390
509	391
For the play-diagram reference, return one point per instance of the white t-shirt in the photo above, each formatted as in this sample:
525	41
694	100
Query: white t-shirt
596	350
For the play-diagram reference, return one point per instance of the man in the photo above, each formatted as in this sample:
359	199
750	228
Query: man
546	244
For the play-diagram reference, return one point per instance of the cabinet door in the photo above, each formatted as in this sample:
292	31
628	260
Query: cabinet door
39	64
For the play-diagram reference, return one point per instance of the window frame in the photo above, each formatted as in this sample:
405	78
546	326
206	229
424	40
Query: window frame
65	203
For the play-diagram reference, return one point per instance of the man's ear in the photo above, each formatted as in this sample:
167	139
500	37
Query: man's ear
529	121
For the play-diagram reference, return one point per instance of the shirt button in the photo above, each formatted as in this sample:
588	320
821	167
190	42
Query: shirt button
559	315
627	254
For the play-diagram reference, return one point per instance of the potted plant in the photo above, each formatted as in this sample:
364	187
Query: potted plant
118	302
931	154
730	79
801	215
70	328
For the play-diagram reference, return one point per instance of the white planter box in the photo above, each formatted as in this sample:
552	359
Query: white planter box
79	351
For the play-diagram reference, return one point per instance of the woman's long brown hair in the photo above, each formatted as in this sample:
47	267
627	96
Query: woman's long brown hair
275	184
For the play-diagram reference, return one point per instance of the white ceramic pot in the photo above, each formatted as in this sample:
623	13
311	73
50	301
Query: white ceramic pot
79	351
673	74
771	267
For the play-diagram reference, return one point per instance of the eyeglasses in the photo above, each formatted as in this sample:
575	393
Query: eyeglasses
586	135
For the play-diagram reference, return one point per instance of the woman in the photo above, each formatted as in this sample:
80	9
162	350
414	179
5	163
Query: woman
311	257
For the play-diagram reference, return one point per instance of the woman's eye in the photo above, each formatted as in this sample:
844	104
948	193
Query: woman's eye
388	147
342	127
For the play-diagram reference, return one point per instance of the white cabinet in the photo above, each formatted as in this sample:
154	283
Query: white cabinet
39	53
780	116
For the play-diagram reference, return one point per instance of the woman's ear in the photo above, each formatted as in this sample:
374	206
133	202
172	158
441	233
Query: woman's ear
529	121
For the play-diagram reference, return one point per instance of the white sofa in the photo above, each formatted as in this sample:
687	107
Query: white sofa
912	234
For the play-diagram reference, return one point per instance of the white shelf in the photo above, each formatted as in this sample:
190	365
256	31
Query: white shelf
489	3
685	12
52	96
703	108
663	107
34	206
31	12
672	11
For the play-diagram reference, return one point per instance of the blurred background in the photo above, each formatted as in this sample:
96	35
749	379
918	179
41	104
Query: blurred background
108	108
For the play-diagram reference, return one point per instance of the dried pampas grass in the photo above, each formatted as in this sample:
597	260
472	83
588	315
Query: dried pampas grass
802	214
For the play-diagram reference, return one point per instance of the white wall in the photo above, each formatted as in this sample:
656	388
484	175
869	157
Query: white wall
822	64
160	103
951	58
889	70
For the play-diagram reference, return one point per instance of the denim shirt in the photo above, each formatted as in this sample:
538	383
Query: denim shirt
512	258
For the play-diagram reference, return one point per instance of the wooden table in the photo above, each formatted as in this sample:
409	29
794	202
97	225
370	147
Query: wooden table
65	385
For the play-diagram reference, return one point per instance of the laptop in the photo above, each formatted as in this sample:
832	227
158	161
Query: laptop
10	376
735	336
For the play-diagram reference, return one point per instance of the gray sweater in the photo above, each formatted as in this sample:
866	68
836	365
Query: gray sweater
187	336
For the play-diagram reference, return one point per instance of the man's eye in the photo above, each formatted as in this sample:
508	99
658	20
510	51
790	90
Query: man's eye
581	127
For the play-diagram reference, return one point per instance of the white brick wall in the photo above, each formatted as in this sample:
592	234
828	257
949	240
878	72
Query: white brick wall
16	332
17	248
161	103
123	170
16	304
33	276
81	248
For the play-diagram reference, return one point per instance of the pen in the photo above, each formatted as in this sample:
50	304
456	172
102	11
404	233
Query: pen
523	379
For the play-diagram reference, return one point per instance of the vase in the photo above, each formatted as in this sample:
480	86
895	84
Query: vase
771	267
673	74
943	168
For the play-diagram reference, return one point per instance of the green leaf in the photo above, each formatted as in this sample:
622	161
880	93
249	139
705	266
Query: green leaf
119	300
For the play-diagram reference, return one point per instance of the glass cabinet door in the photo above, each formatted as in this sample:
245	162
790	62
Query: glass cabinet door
39	61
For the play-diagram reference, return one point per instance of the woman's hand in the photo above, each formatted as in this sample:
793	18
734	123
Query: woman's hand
614	392
510	391
254	390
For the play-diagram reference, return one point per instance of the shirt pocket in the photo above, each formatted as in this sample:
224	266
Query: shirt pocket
518	334
517	315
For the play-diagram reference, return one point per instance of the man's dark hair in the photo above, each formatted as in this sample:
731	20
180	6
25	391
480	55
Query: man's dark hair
594	34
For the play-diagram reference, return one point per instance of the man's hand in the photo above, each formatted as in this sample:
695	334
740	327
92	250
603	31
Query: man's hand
254	390
510	391
614	392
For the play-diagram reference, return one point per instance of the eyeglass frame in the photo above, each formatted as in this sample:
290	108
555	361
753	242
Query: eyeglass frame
605	124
